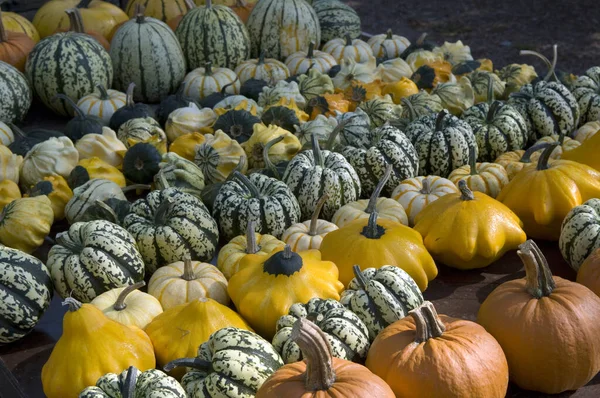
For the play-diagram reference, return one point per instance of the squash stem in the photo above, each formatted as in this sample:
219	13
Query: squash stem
314	221
3	35
545	156
129	385
421	39
372	205
79	113
120	303
109	212
189	4
245	181
317	151
472	161
337	130
539	280
551	65
208	3
163	209
526	158
348	39
372	230
426	186
360	277
139	13
208	69
427	322
162	179
319	375
73	304
188	269
412	114
261	57
490	89
492	111
16	130
135	186
103	92
195	363
287	252
389	35
129	95
465	192
251	244
75	20
67	243
268	164
84	4
311	51
440	119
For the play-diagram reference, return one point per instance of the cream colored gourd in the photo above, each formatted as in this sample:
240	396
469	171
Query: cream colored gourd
267	69
388	45
352	72
189	120
587	131
102	103
346	48
300	62
566	144
185	281
309	234
488	178
105	146
393	70
202	82
237	102
10	165
7	136
129	306
53	156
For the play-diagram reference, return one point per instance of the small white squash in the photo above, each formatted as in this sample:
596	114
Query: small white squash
202	82
189	119
388	45
102	103
309	234
6	134
269	70
300	62
10	165
105	146
355	50
56	155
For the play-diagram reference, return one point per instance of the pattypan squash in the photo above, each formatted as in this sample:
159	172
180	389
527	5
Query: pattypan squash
351	72
283	150
57	189
9	191
283	89
98	168
315	83
53	156
188	120
105	146
25	223
454	53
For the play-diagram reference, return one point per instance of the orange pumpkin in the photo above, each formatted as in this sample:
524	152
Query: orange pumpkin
589	272
14	47
243	9
328	104
76	25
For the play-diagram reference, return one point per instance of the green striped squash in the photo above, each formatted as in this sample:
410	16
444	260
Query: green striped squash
67	63
145	51
92	258
381	110
381	296
88	194
587	91
336	19
348	336
580	233
25	293
15	94
282	27
213	33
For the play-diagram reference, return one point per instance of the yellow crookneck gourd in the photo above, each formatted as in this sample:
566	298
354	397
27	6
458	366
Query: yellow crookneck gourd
469	229
91	346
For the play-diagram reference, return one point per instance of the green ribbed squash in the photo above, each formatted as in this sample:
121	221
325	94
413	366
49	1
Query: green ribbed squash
213	33
336	19
586	90
145	51
282	27
15	94
67	63
580	233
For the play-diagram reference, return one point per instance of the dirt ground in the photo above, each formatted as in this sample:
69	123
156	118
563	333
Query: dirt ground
496	29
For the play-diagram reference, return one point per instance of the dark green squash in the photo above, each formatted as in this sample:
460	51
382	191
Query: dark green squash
424	77
334	71
81	124
281	116
25	141
141	163
213	99
252	88
79	176
131	110
238	124
171	103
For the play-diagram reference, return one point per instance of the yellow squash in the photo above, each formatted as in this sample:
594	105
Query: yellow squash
587	153
469	229
14	22
400	89
25	223
282	151
587	131
515	161
9	191
56	188
91	346
565	144
185	145
105	146
266	286
10	165
98	168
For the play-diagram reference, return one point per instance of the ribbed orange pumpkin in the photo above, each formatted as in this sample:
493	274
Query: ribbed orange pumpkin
14	47
589	272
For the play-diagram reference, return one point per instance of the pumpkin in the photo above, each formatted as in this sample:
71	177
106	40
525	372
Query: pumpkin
568	183
169	224
185	281
216	155
163	10
87	194
204	81
57	190
146	52
76	25
143	130
180	330
300	62
16	94
27	291
131	381
9	191
14	46
377	242
516	76
269	69
76	62
314	84
111	209
347	48
105	146
586	89
515	161
380	297
427	354
141	163
102	103
54	156
579	233
14	22
97	168
128	306
321	374
10	165
106	345
282	27
130	110
216	369
588	273
564	314
180	173
488	178
232	253
190	119
321	126
587	131
309	234
282	279
566	144
7	136
237	124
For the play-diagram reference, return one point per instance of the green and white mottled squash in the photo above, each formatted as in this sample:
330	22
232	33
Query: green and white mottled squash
301	61
354	129
232	363
443	143
315	84
92	258
580	233
26	290
388	45
143	129
347	335
15	94
132	383
259	198
415	106
270	70
457	96
169	225
88	194
206	80
180	173
336	19
381	296
145	51
586	90
213	33
282	27
67	63
381	110
322	126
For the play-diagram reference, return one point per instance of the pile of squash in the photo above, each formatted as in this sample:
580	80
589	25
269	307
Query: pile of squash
324	175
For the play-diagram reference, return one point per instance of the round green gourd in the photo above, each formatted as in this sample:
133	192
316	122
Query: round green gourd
238	124
131	110
15	94
141	163
336	19
81	124
281	116
586	90
580	233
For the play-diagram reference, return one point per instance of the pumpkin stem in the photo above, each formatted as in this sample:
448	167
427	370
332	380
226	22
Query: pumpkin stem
3	35
551	65
139	13
490	88
421	39
427	322
440	119
268	164
71	103
348	39
84	4
188	269
109	212
73	304
540	282
545	156
225	87
472	161
287	252
313	343
314	221
316	149
389	35
251	245
189	4
526	158
261	57
208	68
163	209
245	181
426	189
492	111
412	114
120	303
360	277
337	130
311	51
372	205
135	186
129	385
129	94
67	243
208	3
103	93
195	363
372	230
75	20
465	192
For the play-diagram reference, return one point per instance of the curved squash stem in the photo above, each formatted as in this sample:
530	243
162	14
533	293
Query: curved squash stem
103	93
247	183
67	243
426	186
129	385
73	304
545	156
120	303
129	95
440	119
317	151
412	114
372	230
79	113
472	161
526	158
16	130
195	363
540	282
465	192
162	179
189	4
313	343
109	211
310	54
372	205
268	164
421	39
551	65
359	276
348	39
314	221
75	20
490	89
336	131
427	323
139	13
287	252
160	217
251	245
188	269
389	35
84	4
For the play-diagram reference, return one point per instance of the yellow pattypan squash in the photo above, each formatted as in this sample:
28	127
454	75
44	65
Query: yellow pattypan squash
106	146
189	120
56	188
586	153
10	165
469	229
25	223
98	168
282	151
400	89
185	145
91	346
266	286
9	191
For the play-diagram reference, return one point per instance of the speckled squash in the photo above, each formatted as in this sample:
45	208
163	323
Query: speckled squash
580	233
336	19
15	93
586	90
416	193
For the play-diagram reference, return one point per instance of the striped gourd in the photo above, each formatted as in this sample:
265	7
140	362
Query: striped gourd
336	19
348	48
88	194
169	225
175	171
217	156
442	141
102	103
415	106
14	22
301	61
388	45
586	90
309	234
67	63
213	33
15	94
7	136
204	81
354	129
347	335
146	52
164	10
267	69
26	290
92	258
282	27
150	383
387	146
143	129
580	233
381	296
485	177
381	110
